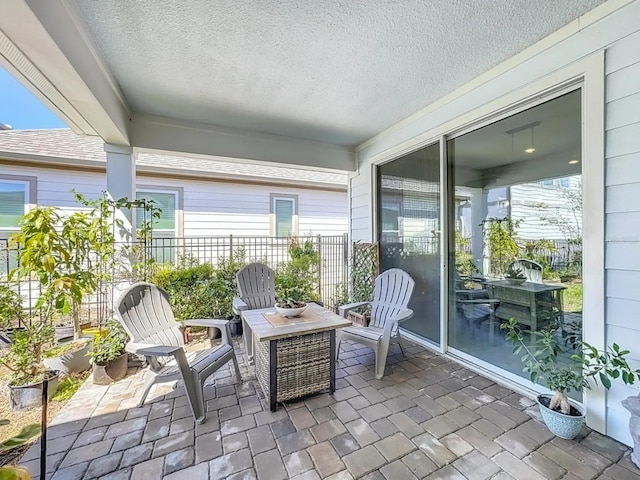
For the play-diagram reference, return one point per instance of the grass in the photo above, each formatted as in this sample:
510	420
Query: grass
572	297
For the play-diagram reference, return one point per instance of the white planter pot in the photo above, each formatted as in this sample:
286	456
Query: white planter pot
71	362
633	405
561	425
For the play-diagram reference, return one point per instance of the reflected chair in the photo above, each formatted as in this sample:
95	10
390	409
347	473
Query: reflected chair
391	295
532	270
145	313
256	286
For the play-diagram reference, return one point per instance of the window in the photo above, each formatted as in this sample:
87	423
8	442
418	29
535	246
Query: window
17	193
284	215
165	228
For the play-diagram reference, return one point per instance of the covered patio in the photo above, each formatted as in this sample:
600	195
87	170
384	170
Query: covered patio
429	417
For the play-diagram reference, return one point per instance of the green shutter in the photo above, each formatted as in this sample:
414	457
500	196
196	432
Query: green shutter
284	217
167	203
12	200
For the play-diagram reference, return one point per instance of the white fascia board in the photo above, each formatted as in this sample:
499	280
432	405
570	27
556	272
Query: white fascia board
47	47
173	135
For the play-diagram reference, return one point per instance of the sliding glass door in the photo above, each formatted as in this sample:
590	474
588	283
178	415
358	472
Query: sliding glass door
515	223
409	231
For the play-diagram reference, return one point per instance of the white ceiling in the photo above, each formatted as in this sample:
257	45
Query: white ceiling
333	71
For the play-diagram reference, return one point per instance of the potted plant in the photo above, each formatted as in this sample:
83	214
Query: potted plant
68	357
11	472
542	357
515	275
24	361
108	356
288	307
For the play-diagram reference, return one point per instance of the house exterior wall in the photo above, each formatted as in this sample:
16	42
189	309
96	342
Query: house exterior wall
618	34
211	208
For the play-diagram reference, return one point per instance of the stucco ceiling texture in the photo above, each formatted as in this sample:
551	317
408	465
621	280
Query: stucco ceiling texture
336	71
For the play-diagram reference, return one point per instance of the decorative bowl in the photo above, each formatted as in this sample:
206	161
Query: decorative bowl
516	281
290	312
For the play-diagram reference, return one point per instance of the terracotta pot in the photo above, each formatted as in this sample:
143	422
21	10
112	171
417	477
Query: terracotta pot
111	371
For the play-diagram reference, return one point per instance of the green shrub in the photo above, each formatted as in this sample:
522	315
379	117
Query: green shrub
201	290
298	278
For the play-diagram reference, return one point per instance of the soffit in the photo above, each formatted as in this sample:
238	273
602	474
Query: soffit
328	70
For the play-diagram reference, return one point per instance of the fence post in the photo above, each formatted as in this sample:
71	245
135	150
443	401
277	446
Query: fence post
230	245
345	258
319	240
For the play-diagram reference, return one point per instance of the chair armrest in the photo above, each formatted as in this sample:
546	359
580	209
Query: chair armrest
402	316
223	325
239	305
344	309
152	350
205	322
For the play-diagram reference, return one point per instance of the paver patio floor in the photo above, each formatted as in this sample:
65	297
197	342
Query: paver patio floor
429	417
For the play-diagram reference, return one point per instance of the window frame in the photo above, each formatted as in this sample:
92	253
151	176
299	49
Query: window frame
31	191
273	197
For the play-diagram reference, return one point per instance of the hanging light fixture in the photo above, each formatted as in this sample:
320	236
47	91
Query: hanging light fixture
529	126
532	147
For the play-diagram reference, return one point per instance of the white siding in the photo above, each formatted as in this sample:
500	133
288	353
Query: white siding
619	34
210	208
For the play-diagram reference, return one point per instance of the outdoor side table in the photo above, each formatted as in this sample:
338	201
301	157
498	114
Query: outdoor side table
293	357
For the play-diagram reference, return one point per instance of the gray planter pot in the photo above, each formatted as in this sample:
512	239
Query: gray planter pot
633	405
111	372
25	397
561	425
71	362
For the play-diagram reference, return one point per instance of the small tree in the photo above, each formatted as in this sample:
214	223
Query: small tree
69	255
499	235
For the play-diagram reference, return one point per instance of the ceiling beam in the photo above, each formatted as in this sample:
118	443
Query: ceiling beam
168	134
46	46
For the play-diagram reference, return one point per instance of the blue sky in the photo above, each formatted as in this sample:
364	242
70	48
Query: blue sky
22	110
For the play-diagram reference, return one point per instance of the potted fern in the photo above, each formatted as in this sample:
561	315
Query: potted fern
542	356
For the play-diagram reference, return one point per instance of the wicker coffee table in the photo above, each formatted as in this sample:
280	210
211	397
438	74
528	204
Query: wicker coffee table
293	357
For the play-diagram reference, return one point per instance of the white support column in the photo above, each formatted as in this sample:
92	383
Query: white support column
479	211
121	181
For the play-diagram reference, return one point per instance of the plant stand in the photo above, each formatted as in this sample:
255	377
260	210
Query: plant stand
633	405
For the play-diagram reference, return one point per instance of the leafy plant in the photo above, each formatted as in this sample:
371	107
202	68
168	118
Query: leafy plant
500	234
24	359
289	303
110	346
542	362
297	279
11	311
63	348
464	259
68	255
515	273
201	290
27	433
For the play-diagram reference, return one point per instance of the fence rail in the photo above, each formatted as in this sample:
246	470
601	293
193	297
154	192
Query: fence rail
135	264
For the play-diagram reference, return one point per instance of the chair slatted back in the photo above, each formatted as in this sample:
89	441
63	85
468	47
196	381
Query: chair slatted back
257	286
391	294
145	313
532	270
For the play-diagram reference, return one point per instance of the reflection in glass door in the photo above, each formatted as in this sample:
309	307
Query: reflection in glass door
515	217
409	231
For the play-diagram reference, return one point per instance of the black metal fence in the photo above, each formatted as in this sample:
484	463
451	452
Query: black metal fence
135	261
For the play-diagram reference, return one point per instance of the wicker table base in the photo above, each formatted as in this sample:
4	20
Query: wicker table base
292	367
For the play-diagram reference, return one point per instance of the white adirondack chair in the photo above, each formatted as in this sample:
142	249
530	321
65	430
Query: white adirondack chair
532	270
145	313
257	289
391	295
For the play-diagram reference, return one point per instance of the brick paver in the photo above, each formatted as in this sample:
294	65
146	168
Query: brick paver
429	417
